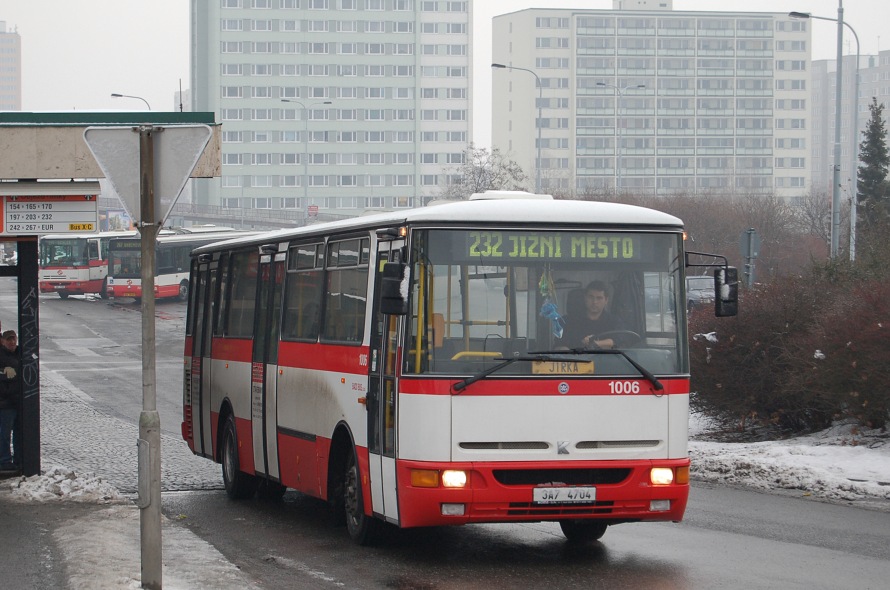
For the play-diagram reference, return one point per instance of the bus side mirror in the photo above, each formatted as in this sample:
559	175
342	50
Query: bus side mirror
394	288
726	291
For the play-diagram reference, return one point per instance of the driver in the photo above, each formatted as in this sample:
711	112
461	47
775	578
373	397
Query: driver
581	331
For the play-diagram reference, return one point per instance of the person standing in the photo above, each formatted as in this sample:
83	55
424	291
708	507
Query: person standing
10	399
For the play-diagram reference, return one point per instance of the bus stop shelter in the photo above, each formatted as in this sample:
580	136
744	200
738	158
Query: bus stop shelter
44	159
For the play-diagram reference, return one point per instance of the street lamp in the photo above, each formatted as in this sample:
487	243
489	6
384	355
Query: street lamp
620	135
306	143
538	123
116	95
854	130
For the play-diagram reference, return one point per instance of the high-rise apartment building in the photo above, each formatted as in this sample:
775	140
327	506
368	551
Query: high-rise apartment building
10	69
874	82
333	105
655	100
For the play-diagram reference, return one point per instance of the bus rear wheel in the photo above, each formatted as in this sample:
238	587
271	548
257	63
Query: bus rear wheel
239	485
103	292
583	531
363	529
183	291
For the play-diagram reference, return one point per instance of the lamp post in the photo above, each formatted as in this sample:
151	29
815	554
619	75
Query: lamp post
538	122
305	143
116	95
854	126
619	148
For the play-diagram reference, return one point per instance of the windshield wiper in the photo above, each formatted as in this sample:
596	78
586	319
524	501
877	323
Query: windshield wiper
562	355
531	357
643	370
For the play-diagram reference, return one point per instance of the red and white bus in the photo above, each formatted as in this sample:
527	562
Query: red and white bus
171	262
409	368
75	264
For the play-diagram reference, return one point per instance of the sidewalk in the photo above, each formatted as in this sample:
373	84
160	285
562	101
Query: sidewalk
59	530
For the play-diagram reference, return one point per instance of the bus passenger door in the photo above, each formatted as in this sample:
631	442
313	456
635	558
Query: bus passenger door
264	369
203	304
382	397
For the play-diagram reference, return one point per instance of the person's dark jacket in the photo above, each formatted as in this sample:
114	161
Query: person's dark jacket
10	388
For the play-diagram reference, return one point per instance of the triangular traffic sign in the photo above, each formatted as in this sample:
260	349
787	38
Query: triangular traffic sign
176	150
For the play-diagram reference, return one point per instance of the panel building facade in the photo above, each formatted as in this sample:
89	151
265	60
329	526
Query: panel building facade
655	100
874	82
335	106
10	69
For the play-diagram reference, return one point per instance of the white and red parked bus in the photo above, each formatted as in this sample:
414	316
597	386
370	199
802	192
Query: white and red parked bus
75	264
171	262
408	367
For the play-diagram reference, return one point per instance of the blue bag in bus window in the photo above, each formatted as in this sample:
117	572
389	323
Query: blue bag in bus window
549	308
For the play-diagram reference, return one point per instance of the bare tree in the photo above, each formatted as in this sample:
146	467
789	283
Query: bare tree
483	170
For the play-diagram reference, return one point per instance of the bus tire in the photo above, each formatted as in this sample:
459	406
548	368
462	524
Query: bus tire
583	531
103	292
239	485
63	294
363	529
183	291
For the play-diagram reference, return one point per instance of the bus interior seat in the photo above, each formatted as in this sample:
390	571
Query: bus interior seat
575	307
437	330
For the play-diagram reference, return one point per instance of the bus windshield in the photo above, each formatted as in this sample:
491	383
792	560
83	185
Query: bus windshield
64	252
480	296
125	258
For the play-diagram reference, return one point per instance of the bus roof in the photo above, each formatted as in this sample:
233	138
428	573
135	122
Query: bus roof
199	237
519	212
123	233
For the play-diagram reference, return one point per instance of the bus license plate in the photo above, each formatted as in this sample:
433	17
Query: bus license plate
564	495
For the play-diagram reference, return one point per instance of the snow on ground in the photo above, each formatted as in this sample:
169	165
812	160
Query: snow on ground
843	463
61	483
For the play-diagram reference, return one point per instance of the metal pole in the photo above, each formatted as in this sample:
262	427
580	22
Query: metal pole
116	95
149	443
854	132
836	188
854	152
538	123
305	155
619	152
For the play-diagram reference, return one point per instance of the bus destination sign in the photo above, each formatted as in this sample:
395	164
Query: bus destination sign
49	214
492	245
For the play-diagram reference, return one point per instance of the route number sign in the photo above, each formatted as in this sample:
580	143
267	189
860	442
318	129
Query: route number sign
50	214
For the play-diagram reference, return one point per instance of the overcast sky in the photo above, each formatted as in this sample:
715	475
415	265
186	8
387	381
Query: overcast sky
76	53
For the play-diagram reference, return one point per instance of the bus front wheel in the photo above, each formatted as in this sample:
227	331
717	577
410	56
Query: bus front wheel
583	531
363	529
239	485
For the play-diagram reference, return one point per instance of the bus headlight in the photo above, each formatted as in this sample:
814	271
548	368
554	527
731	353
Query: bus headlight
661	476
454	479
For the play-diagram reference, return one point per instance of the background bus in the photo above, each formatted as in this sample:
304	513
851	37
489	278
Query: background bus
410	367
75	264
171	261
